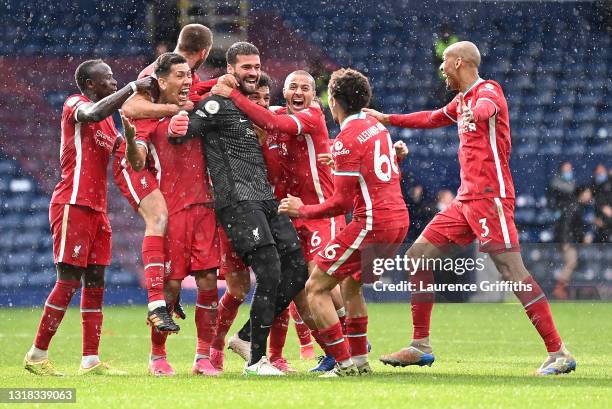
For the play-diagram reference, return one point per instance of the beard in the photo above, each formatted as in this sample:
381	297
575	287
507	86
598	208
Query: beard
245	88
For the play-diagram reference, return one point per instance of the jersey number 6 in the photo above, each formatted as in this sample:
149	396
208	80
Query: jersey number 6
383	159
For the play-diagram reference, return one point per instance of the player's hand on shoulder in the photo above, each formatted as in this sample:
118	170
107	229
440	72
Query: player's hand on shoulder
401	150
379	116
129	130
179	124
290	206
228	80
326	159
222	90
146	84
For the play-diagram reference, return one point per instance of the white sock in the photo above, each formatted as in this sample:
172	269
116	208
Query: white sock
561	352
89	360
155	304
155	357
422	345
346	363
360	359
37	354
200	356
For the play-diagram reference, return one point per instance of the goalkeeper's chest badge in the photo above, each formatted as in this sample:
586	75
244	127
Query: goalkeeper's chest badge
212	107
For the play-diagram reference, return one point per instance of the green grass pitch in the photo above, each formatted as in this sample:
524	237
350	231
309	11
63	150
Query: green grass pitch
485	358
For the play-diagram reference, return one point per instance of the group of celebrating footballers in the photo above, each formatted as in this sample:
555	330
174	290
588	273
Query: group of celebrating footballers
281	190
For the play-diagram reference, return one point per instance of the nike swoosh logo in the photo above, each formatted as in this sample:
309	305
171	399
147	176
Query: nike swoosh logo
312	251
243	120
485	242
156	285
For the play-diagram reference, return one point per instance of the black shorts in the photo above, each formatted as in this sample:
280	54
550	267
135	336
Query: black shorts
252	224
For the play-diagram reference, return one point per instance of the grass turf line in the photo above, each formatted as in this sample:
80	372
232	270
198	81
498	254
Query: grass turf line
485	358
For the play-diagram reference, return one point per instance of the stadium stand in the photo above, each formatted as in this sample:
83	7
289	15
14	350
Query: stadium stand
553	60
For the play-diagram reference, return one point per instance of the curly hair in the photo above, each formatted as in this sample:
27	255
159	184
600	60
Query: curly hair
351	89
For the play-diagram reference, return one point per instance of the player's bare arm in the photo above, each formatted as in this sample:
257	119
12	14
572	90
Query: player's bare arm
140	106
106	106
135	153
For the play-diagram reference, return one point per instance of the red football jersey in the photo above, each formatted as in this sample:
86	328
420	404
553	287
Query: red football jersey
306	178
277	170
85	151
364	149
180	169
484	149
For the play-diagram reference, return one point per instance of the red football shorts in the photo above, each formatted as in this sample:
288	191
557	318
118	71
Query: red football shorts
355	248
230	260
192	243
314	234
81	235
490	220
134	186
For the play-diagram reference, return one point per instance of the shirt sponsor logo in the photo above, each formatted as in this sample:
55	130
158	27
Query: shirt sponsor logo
104	141
342	152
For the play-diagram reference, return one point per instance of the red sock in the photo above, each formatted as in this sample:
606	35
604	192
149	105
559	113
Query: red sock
278	335
91	316
538	310
336	345
421	303
228	308
55	308
316	334
302	330
357	334
205	319
158	339
153	261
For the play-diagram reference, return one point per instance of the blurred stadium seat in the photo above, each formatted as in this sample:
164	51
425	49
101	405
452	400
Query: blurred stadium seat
558	93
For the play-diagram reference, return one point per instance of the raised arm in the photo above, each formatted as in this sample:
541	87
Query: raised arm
106	106
423	119
341	201
135	153
260	116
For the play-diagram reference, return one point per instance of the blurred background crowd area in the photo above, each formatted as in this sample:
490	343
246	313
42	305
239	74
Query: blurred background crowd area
553	59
